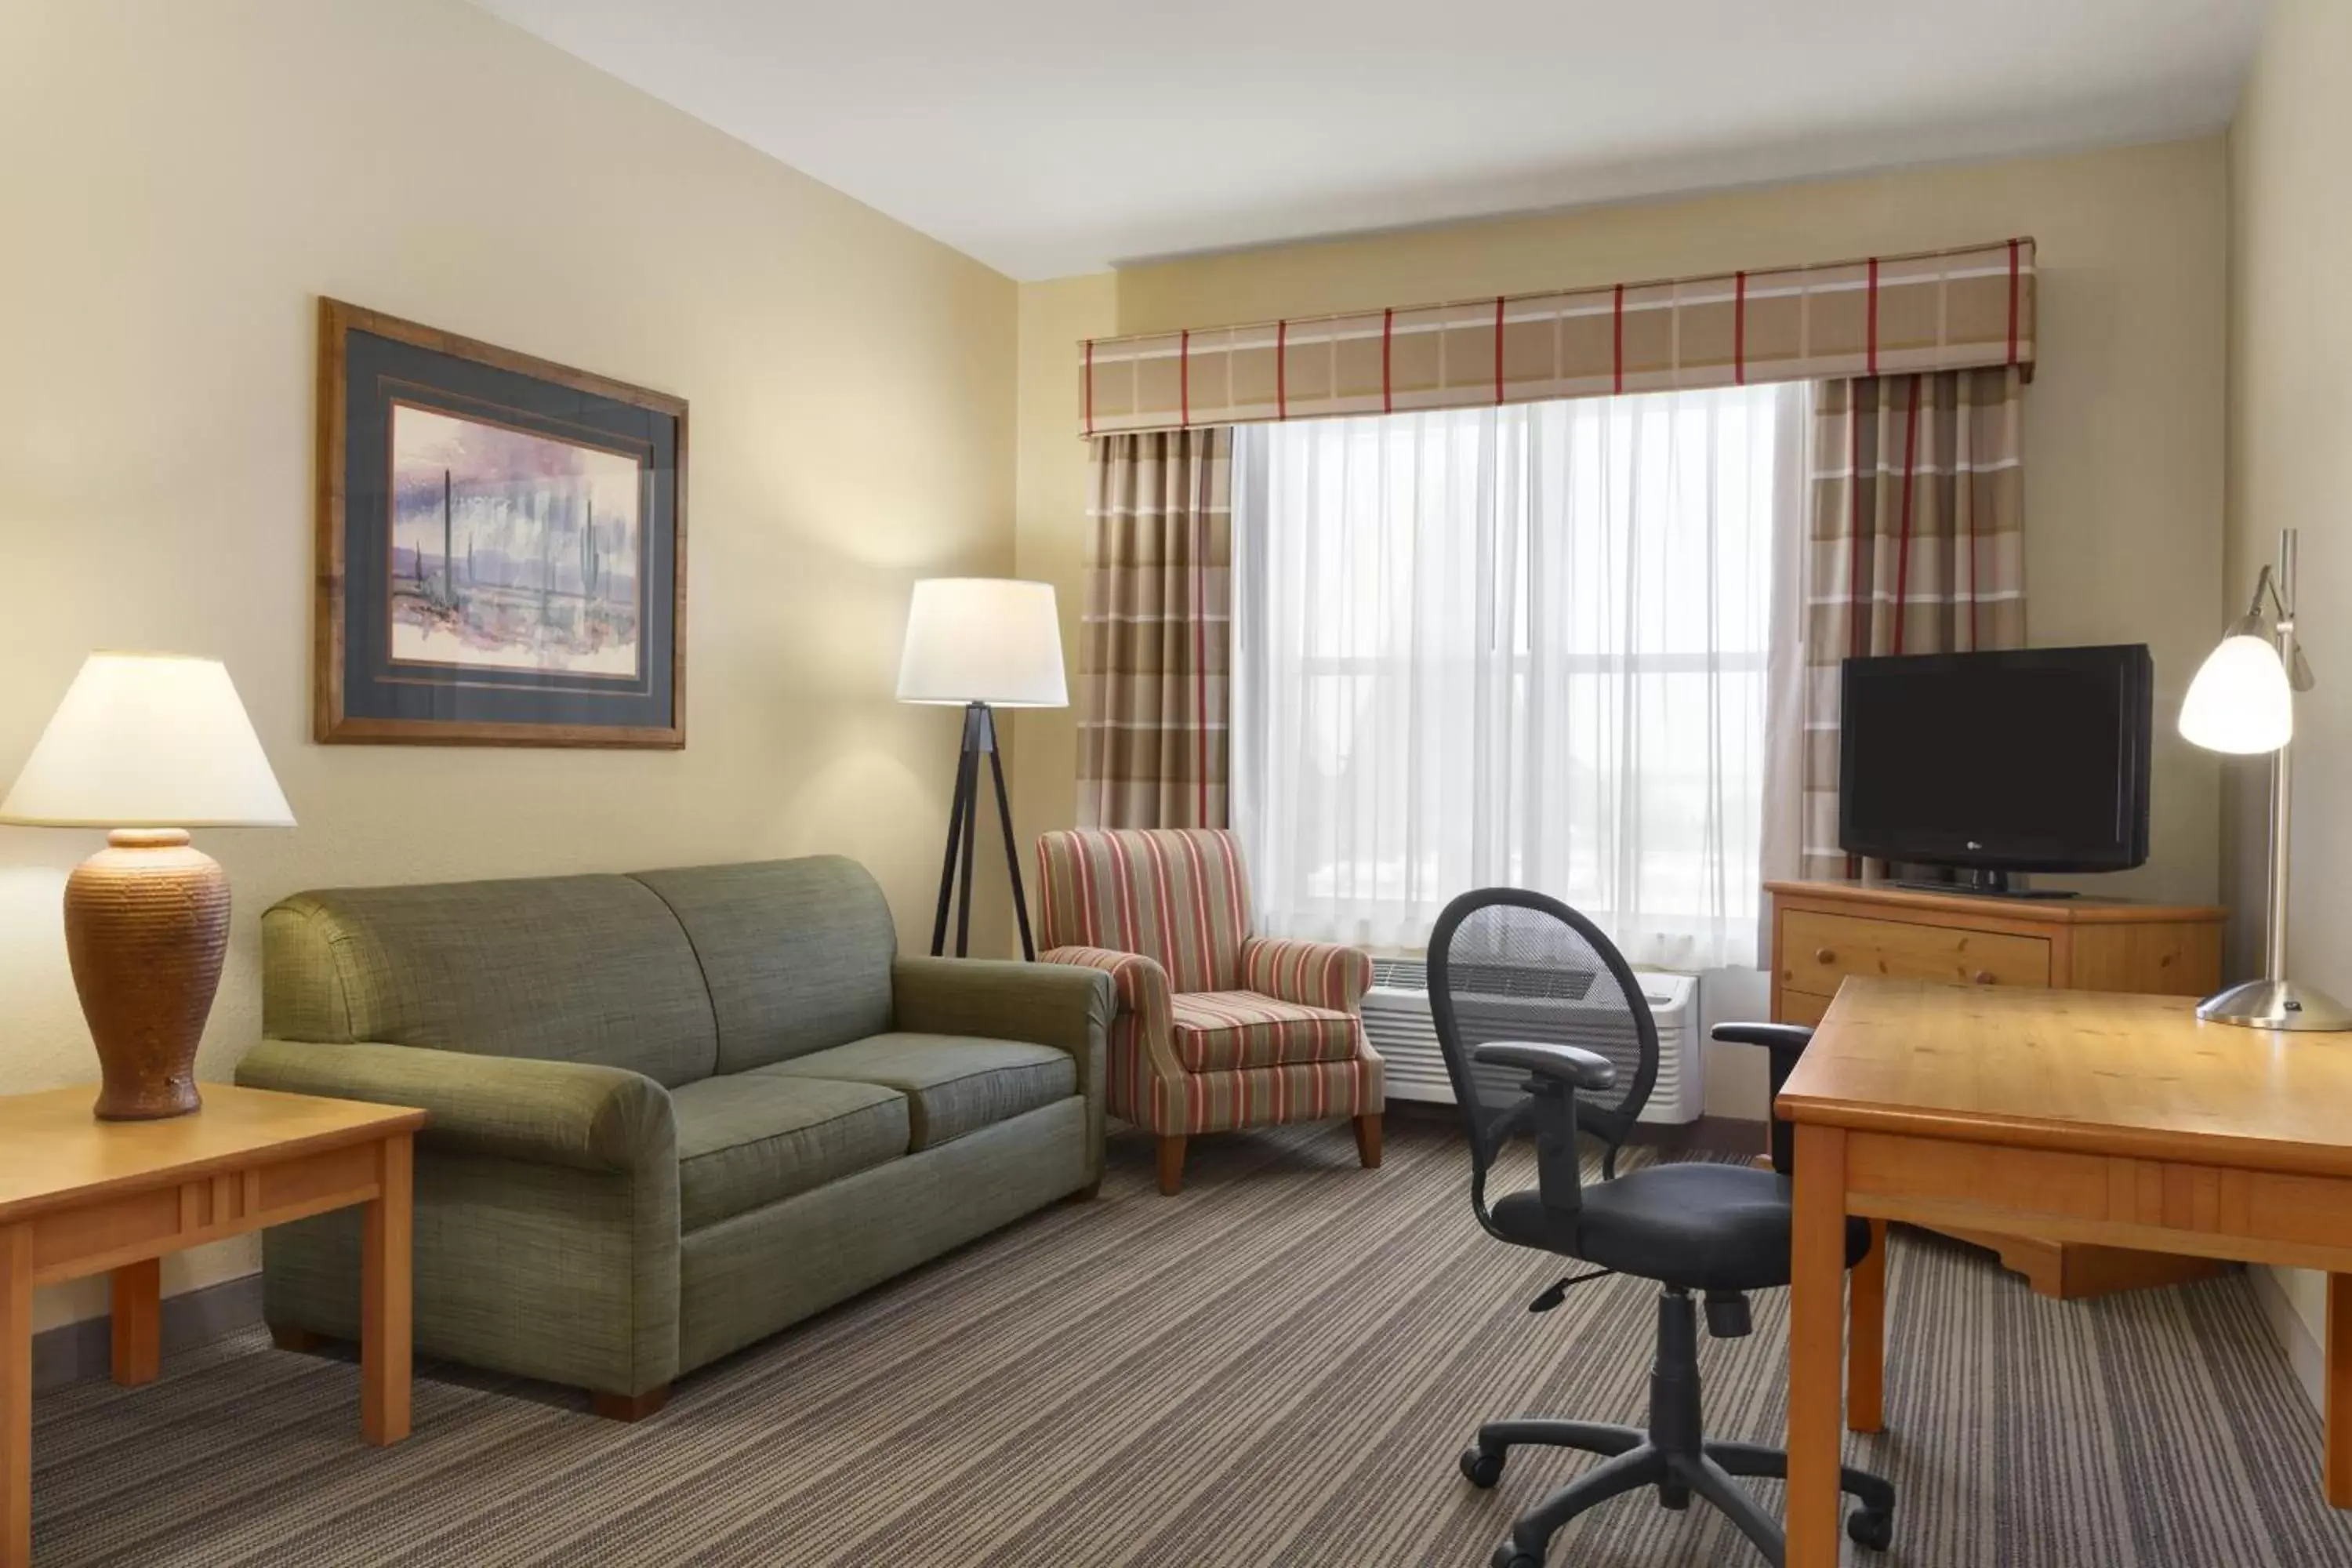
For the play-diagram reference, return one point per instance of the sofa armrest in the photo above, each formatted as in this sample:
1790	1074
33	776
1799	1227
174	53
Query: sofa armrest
574	1114
1003	1000
1310	974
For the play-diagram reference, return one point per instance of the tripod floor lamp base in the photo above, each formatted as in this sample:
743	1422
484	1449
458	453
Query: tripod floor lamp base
964	832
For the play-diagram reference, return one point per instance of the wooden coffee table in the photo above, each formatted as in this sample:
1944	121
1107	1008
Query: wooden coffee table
78	1195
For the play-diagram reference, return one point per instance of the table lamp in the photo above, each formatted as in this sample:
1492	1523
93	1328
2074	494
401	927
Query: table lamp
984	642
2242	702
140	742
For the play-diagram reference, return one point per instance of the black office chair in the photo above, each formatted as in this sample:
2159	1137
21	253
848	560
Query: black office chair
1512	976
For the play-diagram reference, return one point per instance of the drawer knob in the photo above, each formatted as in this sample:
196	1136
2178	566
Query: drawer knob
1824	955
1984	978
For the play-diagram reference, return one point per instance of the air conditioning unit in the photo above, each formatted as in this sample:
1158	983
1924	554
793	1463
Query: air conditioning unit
1397	1020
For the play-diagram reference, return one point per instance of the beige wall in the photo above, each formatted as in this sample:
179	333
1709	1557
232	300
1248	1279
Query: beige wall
2123	421
1051	486
2291	464
181	181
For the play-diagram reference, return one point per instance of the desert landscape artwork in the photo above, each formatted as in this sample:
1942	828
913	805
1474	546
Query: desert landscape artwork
512	549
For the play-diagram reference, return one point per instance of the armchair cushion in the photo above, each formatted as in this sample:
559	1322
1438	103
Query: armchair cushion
1219	1031
953	1085
747	1139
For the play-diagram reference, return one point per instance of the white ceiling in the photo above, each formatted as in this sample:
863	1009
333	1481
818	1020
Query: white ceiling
1048	137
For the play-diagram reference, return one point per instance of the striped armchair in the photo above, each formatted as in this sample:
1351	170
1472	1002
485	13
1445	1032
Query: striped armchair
1216	1028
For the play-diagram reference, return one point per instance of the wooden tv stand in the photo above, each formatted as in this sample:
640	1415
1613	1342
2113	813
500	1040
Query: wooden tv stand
1823	931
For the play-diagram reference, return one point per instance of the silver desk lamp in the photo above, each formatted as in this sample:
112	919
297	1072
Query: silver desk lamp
2242	701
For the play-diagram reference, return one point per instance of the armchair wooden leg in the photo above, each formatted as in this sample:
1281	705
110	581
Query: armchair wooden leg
1367	1140
1171	1165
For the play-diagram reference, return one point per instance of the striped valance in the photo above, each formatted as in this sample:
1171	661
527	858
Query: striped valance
1949	309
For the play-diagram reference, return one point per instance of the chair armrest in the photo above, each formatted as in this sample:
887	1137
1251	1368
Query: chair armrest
1787	1043
574	1114
1068	1007
1310	974
1557	1072
1138	984
1570	1065
1790	1038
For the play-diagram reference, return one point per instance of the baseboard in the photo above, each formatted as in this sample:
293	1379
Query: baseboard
2294	1335
72	1352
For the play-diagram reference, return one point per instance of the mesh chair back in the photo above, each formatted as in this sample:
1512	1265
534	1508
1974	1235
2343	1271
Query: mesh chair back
1505	965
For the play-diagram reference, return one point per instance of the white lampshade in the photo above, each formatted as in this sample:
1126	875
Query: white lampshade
146	740
984	639
2240	701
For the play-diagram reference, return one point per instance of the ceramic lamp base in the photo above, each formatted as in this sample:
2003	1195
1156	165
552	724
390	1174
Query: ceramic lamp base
2275	1005
146	927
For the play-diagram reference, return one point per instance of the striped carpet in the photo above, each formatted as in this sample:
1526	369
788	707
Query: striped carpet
1276	1368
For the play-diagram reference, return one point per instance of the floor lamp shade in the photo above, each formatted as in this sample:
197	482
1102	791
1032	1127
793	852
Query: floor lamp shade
984	639
147	746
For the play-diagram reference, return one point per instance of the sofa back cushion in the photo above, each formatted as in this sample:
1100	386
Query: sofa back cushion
585	969
797	953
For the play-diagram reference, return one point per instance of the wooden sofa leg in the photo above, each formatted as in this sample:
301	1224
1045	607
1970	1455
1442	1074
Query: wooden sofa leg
1367	1140
287	1337
632	1406
1171	1165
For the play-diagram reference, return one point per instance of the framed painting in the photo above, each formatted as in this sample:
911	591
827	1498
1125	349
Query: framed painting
501	549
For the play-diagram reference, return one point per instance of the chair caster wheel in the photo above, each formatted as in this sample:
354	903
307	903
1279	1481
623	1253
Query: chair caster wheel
1481	1468
1873	1528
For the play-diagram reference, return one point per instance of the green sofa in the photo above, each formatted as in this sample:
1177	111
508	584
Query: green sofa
672	1112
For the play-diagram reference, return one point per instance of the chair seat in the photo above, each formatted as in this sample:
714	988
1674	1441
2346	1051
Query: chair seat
746	1140
1220	1031
1699	1226
954	1084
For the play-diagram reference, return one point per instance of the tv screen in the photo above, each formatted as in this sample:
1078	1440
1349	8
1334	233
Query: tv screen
2033	760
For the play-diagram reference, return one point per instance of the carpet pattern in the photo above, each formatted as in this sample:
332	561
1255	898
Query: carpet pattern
1277	1367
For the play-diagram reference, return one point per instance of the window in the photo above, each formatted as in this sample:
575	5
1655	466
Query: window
1522	645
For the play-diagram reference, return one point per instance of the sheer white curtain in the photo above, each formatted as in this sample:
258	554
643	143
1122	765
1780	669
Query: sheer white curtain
1521	646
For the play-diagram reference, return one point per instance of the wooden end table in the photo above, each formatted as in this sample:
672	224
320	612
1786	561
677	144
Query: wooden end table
78	1195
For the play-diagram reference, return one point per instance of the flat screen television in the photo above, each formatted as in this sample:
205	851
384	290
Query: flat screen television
2029	760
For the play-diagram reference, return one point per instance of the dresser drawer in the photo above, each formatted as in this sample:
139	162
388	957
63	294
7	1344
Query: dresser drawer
1801	1007
1817	950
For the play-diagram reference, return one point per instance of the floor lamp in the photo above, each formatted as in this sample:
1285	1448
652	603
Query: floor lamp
983	642
2242	701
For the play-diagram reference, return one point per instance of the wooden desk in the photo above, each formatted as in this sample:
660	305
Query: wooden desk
1823	931
78	1195
2114	1119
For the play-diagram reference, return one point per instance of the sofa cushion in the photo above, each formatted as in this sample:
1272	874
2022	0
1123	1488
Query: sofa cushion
797	953
953	1084
1220	1031
746	1140
581	969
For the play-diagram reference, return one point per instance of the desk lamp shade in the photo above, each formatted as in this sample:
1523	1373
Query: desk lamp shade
147	746
984	639
2240	701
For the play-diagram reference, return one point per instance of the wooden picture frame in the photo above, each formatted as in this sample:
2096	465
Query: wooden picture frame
534	638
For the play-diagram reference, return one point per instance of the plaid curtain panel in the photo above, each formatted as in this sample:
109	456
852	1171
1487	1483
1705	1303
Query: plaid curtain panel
1952	309
1216	1029
1154	654
1915	544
